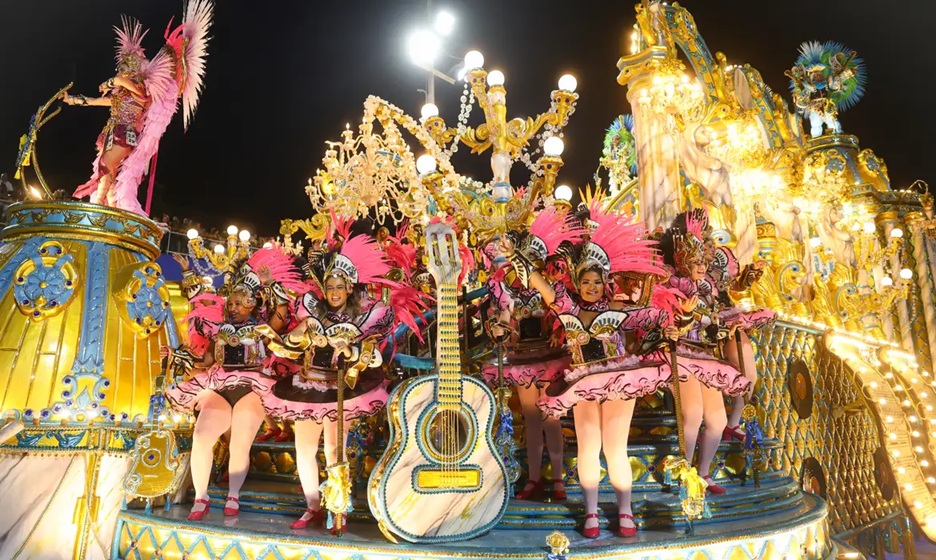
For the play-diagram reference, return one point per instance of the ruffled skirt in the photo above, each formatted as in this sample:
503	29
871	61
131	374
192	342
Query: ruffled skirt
294	398
182	396
705	367
628	377
524	369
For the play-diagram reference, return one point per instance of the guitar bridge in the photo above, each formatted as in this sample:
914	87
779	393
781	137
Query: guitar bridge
432	479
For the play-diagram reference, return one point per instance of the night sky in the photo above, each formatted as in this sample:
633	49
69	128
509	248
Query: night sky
285	76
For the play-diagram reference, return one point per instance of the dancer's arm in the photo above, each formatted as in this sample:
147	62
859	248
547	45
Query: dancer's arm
81	100
522	266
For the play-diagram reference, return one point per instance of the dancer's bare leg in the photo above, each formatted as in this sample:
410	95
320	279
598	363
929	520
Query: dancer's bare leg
308	434
587	415
615	427
214	418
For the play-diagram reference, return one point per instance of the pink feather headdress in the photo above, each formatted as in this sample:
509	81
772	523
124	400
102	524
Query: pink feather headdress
618	244
130	39
549	229
280	267
204	321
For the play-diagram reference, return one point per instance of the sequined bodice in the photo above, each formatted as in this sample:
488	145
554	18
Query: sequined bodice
125	109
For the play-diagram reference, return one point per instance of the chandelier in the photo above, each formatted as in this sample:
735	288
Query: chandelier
673	96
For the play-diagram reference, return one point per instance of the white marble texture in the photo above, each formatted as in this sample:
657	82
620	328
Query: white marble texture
446	515
39	500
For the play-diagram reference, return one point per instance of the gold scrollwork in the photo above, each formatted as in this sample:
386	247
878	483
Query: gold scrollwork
44	284
143	301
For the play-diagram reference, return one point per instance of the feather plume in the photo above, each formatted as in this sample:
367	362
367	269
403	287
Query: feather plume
130	38
190	43
281	267
553	226
624	241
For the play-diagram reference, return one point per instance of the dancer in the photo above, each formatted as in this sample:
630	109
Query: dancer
689	253
337	341
605	376
143	98
224	387
536	355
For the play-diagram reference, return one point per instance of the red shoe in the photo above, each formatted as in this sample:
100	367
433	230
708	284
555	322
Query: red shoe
531	490
284	436
558	492
317	517
730	433
269	434
344	525
623	531
591	532
197	515
712	487
229	511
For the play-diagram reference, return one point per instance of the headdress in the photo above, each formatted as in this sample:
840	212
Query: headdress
269	274
691	240
130	54
551	228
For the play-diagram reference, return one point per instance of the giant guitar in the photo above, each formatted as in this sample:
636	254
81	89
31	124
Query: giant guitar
440	478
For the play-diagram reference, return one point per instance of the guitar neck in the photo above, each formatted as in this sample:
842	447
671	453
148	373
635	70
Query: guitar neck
448	351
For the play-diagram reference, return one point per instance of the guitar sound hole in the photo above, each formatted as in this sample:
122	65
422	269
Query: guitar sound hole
448	435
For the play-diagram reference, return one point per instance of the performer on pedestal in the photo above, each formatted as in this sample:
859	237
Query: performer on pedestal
705	377
535	352
143	97
336	341
223	360
606	375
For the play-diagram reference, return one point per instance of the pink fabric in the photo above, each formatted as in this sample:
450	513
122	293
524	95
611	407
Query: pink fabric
704	367
747	320
527	374
361	406
181	396
615	379
554	226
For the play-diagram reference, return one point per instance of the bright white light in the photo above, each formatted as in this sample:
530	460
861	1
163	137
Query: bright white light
429	110
563	192
244	235
267	245
176	418
35	193
815	242
462	72
474	59
870	228
887	282
568	83
444	23
423	47
219	248
553	146
192	233
896	233
425	164
232	230
496	78
906	273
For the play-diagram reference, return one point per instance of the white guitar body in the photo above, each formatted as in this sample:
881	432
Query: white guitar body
418	513
440	478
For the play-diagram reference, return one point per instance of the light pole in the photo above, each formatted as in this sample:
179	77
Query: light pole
424	46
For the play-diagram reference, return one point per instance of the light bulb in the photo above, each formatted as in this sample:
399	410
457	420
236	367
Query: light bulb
192	233
232	230
869	228
563	192
244	235
473	60
553	146
887	282
425	164
815	242
906	273
896	233
424	47
496	78
568	83
219	248
444	23
429	110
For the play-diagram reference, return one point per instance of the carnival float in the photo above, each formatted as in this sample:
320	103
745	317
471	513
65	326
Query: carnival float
496	372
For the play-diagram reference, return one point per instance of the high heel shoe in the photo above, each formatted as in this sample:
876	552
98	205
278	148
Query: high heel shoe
197	515
730	433
712	487
284	436
591	532
623	531
531	490
272	433
230	511
316	517
558	490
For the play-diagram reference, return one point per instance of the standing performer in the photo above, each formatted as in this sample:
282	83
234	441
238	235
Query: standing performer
338	331
225	386
535	355
606	375
689	253
143	97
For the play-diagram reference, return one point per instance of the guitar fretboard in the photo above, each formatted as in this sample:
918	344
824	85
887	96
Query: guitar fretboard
448	352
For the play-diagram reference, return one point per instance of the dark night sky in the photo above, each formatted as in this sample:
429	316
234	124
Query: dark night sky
284	76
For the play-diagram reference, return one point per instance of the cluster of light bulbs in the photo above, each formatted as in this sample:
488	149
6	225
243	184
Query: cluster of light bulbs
233	233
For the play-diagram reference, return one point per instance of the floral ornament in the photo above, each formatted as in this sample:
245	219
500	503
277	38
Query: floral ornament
45	284
143	303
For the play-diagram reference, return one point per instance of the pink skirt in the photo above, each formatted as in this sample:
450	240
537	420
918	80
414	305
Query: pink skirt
293	398
182	396
622	378
524	369
709	370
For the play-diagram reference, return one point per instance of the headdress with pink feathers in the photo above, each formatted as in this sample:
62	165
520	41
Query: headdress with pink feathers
549	230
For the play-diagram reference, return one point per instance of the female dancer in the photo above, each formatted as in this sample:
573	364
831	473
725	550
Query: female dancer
535	356
605	375
225	390
704	377
337	336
